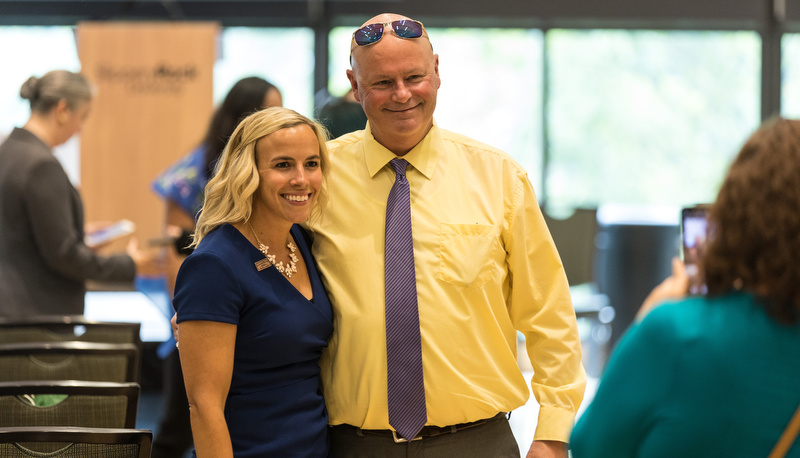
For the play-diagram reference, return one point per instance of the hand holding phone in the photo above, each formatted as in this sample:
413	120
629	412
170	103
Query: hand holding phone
102	236
694	230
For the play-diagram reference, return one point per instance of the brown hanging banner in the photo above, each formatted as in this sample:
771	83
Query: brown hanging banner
154	101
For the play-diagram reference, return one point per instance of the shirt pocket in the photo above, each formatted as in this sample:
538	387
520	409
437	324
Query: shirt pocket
466	254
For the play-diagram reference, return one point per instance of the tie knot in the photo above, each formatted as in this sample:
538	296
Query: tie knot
399	166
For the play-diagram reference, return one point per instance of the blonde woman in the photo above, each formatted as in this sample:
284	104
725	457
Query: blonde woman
181	186
252	313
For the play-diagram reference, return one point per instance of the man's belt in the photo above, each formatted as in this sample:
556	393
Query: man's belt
427	431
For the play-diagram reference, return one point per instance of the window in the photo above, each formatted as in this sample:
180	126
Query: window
282	56
647	117
36	51
790	95
339	59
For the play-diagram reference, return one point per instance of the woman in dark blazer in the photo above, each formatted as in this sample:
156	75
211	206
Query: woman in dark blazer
44	262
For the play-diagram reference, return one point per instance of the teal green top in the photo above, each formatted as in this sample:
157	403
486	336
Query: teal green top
710	377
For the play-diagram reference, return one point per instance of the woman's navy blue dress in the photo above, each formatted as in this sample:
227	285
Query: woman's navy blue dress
275	405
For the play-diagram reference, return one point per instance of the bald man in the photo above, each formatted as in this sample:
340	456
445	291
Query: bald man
483	260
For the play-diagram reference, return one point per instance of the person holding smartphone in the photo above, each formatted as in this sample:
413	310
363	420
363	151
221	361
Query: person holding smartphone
44	260
716	374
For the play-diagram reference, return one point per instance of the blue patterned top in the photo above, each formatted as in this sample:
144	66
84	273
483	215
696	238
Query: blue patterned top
184	182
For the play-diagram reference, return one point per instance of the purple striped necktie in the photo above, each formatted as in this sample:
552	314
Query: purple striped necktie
407	413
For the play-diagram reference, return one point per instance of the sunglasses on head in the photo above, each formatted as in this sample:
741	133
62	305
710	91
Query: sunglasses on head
372	33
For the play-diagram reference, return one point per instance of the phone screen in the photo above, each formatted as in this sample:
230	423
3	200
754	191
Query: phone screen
694	230
119	229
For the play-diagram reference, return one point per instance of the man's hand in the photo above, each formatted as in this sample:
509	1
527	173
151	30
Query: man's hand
547	449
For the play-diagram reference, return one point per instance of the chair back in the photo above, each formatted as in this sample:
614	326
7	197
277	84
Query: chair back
574	238
74	442
65	328
68	403
88	361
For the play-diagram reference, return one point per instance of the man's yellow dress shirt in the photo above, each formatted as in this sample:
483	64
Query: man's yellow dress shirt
485	266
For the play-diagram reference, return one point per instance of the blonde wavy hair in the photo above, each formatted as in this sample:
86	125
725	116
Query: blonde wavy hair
229	193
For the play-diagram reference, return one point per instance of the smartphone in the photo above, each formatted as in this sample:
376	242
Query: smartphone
119	229
694	231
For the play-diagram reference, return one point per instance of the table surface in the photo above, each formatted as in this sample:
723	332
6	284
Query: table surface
129	306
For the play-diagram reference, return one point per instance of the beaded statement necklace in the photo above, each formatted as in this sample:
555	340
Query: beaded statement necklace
287	270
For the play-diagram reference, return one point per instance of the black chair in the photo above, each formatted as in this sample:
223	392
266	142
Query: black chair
632	259
574	238
74	442
88	404
66	328
88	361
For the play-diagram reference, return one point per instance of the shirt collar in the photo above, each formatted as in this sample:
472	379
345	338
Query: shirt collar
422	157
